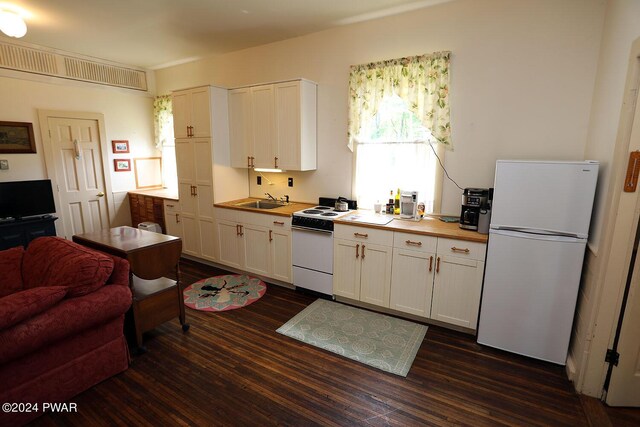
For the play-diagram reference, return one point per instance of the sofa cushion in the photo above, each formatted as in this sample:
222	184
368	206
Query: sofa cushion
54	261
11	268
68	318
22	305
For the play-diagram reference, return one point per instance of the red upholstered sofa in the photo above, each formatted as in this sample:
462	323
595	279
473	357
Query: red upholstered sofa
62	310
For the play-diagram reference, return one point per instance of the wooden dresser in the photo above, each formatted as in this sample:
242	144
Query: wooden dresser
145	208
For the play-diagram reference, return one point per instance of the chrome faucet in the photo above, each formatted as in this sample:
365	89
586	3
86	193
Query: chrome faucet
271	197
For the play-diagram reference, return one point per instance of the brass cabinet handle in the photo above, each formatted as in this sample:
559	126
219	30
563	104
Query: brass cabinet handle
438	265
363	252
177	218
270	235
361	235
465	250
248	161
278	222
195	190
169	206
191	187
430	263
241	232
276	162
357	248
409	242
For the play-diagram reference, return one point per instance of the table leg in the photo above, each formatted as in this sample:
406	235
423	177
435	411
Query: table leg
183	320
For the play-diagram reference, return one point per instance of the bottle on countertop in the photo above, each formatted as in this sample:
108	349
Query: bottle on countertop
396	203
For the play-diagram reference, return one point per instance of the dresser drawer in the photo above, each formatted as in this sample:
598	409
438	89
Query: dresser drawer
461	248
415	242
364	234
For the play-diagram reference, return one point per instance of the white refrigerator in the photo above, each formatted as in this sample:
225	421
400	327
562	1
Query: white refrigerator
539	227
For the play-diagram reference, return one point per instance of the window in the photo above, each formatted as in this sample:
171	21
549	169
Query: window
163	121
398	127
393	151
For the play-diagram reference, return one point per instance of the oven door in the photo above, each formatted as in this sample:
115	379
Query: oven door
312	249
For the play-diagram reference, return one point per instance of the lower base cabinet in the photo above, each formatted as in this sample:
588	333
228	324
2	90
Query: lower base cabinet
431	277
256	243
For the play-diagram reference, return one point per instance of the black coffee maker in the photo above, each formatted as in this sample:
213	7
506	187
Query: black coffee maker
473	199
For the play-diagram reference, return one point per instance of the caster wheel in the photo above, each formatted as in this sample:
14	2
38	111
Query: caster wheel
185	327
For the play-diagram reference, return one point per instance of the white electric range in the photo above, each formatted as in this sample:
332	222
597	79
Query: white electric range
312	246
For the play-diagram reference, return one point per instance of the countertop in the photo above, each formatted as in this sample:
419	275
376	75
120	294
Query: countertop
429	226
285	210
161	193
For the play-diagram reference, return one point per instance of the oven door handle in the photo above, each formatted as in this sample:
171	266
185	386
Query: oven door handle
312	230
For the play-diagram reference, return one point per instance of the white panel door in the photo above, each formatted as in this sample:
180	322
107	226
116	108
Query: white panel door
287	110
79	174
375	274
529	295
412	281
181	108
203	170
554	196
281	255
200	113
346	268
240	130
264	136
257	249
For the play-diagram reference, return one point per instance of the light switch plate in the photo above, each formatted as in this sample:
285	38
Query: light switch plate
4	165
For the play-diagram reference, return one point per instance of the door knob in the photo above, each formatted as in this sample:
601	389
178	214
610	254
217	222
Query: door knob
100	194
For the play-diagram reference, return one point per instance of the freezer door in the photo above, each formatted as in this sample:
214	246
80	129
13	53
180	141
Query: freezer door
529	294
553	196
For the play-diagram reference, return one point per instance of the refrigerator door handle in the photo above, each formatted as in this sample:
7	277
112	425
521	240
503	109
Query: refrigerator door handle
536	236
538	231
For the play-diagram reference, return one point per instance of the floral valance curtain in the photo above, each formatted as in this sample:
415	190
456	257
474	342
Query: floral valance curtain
421	81
163	120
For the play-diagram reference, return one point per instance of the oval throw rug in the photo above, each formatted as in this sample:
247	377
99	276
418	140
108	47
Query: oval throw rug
222	293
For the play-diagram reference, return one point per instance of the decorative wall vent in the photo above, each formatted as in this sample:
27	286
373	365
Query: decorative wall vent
52	63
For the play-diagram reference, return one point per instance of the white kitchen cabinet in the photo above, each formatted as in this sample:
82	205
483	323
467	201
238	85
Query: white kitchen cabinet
172	220
191	113
204	171
362	270
458	282
254	242
412	281
274	126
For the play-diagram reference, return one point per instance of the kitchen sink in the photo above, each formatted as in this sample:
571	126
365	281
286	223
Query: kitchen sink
261	204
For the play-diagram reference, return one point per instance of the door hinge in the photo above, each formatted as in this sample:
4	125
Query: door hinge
612	357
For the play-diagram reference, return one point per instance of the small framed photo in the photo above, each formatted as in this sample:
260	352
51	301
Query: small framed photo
122	165
120	146
17	137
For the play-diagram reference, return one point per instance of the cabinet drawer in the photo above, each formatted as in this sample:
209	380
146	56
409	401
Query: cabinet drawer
364	234
415	242
277	222
171	206
461	248
226	214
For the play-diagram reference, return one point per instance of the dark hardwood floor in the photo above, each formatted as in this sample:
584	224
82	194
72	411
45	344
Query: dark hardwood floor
232	368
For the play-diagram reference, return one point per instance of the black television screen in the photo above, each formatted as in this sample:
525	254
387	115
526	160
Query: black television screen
19	199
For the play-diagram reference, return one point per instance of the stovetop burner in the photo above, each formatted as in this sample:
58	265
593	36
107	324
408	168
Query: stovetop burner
324	208
312	211
329	214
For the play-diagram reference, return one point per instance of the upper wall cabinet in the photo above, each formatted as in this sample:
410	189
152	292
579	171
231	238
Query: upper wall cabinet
191	113
274	126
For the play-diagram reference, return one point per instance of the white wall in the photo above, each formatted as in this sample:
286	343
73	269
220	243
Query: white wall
522	79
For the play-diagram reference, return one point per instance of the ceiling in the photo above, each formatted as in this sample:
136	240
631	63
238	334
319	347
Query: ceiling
158	33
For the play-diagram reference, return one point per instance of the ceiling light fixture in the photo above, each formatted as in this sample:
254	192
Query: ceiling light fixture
12	24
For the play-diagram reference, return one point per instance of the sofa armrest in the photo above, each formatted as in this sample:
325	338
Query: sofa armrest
120	273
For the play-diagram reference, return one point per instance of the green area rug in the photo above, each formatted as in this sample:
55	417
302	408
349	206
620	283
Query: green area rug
383	342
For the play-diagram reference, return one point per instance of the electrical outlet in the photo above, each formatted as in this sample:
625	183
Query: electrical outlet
290	182
4	165
259	180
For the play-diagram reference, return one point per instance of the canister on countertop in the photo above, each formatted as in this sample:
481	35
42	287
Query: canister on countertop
484	220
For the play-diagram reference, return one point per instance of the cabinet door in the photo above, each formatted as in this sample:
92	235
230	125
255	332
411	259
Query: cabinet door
180	105
240	127
456	291
263	120
230	244
257	249
412	281
190	235
287	112
200	113
173	223
375	275
281	255
203	177
346	268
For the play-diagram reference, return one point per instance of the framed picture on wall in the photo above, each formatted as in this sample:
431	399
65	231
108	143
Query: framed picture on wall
120	146
17	137
122	165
